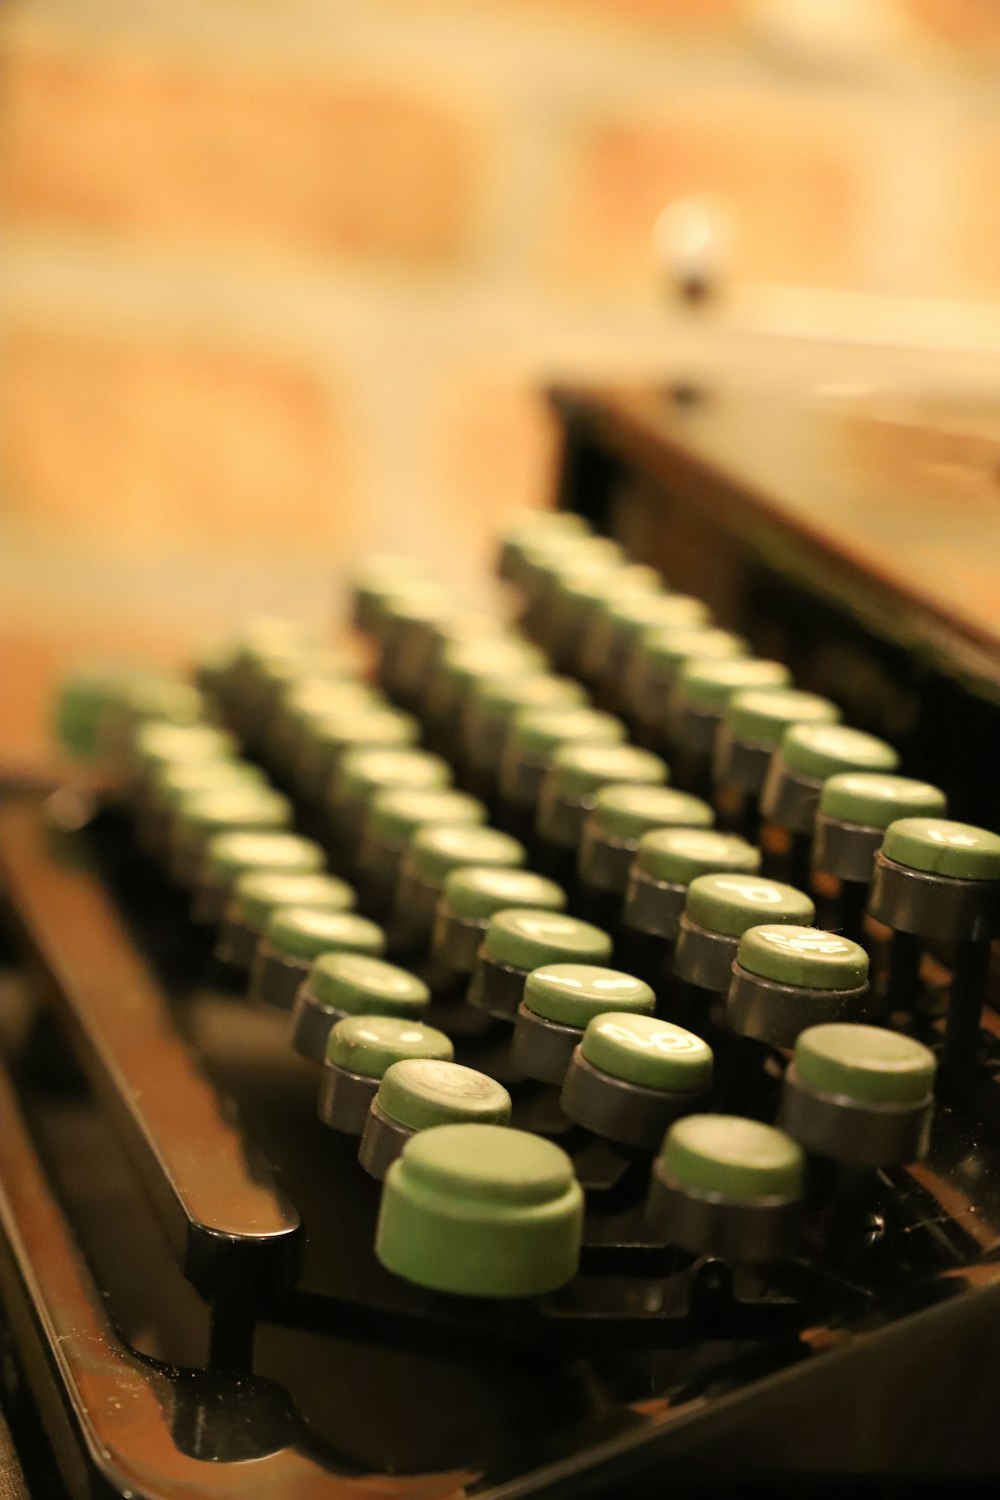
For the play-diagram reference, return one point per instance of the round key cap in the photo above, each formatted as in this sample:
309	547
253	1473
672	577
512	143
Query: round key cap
666	861
169	785
719	909
162	743
702	692
517	941
351	984
727	1186
359	1050
559	1001
492	705
576	775
534	738
420	1093
294	937
632	1074
393	818
145	698
361	774
787	978
860	1094
622	620
622	815
307	704
376	580
433	853
257	894
229	855
469	898
466	667
331	737
83	703
752	728
809	754
581	601
482	1211
855	809
656	660
199	816
526	529
937	879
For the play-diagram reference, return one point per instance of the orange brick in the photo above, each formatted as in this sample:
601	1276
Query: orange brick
792	173
129	444
168	149
494	450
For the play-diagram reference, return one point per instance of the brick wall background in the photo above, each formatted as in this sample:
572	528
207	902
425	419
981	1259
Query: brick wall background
280	281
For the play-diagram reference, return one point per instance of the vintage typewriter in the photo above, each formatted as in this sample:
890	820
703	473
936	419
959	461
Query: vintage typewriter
535	1050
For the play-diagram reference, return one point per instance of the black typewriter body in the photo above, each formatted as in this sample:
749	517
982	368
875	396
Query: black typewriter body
191	1304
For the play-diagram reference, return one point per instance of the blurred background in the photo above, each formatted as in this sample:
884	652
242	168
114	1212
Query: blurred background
282	279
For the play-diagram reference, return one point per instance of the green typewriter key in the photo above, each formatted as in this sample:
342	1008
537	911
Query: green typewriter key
489	710
85	700
940	880
407	639
786	979
308	702
656	661
331	737
362	774
294	937
279	678
351	984
559	1002
160	746
576	775
718	911
211	667
548	566
160	743
464	669
702	693
535	737
517	941
432	855
420	1093
859	1094
230	855
632	1075
264	644
752	728
524	532
255	898
470	897
809	754
618	627
145	699
199	816
557	605
855	809
461	627
359	1050
622	815
481	1211
727	1187
582	599
169	787
377	580
391	823
667	861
